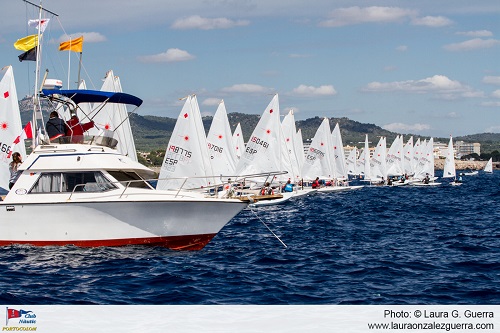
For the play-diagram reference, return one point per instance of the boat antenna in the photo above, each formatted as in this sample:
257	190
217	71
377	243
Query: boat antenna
267	227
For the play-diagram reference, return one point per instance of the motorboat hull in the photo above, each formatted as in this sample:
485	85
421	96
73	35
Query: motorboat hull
175	224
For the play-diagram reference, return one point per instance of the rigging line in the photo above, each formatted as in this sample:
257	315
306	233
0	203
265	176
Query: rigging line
267	227
40	7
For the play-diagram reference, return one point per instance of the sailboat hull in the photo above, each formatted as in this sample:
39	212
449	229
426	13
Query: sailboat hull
179	225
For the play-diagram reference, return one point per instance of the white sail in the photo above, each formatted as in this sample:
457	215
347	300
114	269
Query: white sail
317	159
417	151
408	157
395	158
289	137
425	165
113	120
263	149
449	170
220	144
238	142
84	109
366	158
10	125
338	156
187	153
299	150
351	162
378	165
489	165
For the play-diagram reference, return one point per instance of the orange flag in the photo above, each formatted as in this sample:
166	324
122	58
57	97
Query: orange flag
74	45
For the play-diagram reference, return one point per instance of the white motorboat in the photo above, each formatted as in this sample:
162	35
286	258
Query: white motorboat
88	194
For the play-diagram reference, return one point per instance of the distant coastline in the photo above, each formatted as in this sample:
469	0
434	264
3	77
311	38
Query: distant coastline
462	165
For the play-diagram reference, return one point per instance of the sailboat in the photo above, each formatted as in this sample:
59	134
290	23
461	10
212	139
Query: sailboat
113	119
395	163
220	144
238	142
264	153
424	171
408	152
187	163
449	170
10	125
340	180
317	162
489	166
378	164
89	194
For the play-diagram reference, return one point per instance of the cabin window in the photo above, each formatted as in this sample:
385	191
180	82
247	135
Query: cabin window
125	176
68	181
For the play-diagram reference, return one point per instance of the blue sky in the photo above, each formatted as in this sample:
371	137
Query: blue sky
426	67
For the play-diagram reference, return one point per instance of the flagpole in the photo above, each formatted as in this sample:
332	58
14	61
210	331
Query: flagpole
37	74
79	69
69	64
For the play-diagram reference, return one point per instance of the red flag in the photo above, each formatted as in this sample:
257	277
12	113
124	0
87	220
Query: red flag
11	313
26	134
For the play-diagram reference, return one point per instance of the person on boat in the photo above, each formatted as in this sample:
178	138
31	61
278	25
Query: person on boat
267	189
76	129
426	179
56	127
389	181
14	169
315	183
288	187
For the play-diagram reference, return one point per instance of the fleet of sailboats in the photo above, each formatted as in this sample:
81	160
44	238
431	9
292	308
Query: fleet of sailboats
100	184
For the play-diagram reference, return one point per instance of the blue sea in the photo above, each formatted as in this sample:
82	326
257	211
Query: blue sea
376	245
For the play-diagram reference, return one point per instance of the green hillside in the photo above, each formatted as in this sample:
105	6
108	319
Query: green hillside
152	133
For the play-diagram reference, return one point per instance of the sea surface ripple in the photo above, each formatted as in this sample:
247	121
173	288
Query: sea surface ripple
375	245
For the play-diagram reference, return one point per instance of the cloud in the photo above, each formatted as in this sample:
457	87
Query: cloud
402	48
472	44
88	37
432	21
438	84
490	104
400	127
303	90
452	115
171	55
496	94
357	15
495	80
247	88
493	129
203	23
476	33
211	101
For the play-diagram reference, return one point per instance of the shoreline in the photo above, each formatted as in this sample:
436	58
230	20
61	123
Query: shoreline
462	165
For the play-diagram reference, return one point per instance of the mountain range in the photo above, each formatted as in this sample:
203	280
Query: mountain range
152	133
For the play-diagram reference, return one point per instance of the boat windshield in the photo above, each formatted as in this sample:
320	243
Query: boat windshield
125	177
87	181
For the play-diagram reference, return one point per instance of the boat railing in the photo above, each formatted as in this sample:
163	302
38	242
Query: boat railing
98	140
211	190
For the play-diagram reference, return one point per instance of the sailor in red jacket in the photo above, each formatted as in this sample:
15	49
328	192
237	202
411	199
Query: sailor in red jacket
315	183
75	129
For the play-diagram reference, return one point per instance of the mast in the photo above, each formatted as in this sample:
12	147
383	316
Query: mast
36	101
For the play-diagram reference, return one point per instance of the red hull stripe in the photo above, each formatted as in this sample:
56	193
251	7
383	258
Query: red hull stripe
189	242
